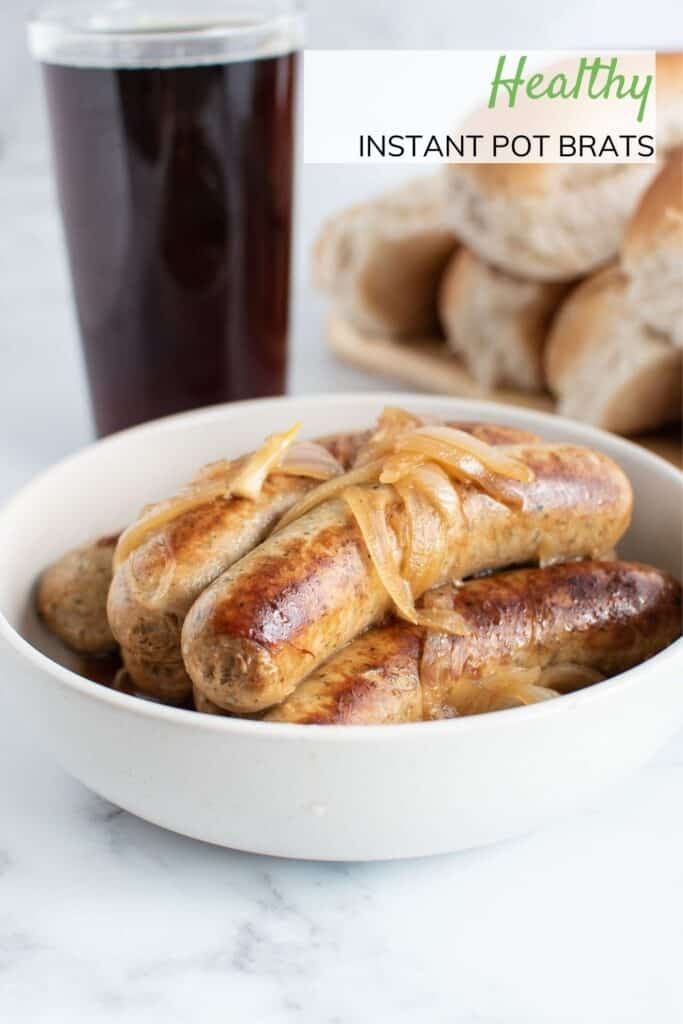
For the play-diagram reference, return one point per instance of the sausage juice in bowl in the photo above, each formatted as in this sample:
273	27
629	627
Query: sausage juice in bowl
451	559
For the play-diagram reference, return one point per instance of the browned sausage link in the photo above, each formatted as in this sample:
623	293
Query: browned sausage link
604	616
287	606
203	704
373	680
153	588
207	707
72	597
165	681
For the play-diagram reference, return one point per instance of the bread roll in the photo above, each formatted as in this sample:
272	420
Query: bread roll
652	254
497	323
606	366
553	222
381	260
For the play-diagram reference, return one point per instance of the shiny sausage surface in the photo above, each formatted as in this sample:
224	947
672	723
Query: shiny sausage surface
602	616
154	587
268	622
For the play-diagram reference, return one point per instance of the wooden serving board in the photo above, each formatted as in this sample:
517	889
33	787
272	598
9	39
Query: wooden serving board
426	365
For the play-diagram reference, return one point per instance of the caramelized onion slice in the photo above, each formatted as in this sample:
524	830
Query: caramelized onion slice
309	459
464	467
396	466
491	457
242	477
508	687
154	517
424	537
369	507
251	476
448	691
441	665
514	697
391	423
443	620
367	474
436	485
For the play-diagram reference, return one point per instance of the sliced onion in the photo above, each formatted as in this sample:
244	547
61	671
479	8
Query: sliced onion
448	691
441	665
438	488
493	457
369	507
508	687
309	459
398	465
443	620
391	424
154	517
249	480
368	474
242	477
424	537
462	466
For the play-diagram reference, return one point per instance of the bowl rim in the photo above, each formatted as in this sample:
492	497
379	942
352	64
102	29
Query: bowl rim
336	733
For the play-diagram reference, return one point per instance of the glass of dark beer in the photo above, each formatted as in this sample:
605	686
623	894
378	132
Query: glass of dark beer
172	130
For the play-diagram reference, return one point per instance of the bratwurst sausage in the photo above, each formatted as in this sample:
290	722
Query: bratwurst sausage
572	623
72	597
156	584
270	620
159	579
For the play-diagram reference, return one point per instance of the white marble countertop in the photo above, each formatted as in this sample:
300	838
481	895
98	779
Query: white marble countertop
106	918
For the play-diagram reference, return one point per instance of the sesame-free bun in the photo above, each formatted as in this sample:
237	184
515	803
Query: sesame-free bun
381	260
606	366
652	254
495	322
554	222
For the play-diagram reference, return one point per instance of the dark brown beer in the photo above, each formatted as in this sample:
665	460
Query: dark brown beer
176	192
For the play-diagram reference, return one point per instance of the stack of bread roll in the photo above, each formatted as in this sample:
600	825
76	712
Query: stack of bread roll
539	276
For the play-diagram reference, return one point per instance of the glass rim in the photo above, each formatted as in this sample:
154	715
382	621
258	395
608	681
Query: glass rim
163	33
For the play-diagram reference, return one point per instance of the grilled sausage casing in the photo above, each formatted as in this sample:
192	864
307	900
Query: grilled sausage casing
156	584
603	616
262	626
153	589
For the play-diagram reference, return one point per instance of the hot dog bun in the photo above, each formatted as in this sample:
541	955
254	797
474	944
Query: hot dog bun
496	322
381	260
553	222
607	367
652	254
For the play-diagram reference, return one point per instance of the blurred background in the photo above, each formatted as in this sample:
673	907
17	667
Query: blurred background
44	411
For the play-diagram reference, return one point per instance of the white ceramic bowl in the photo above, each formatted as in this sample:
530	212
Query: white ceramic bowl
322	792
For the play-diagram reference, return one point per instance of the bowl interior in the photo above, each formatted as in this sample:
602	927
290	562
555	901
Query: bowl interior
103	487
